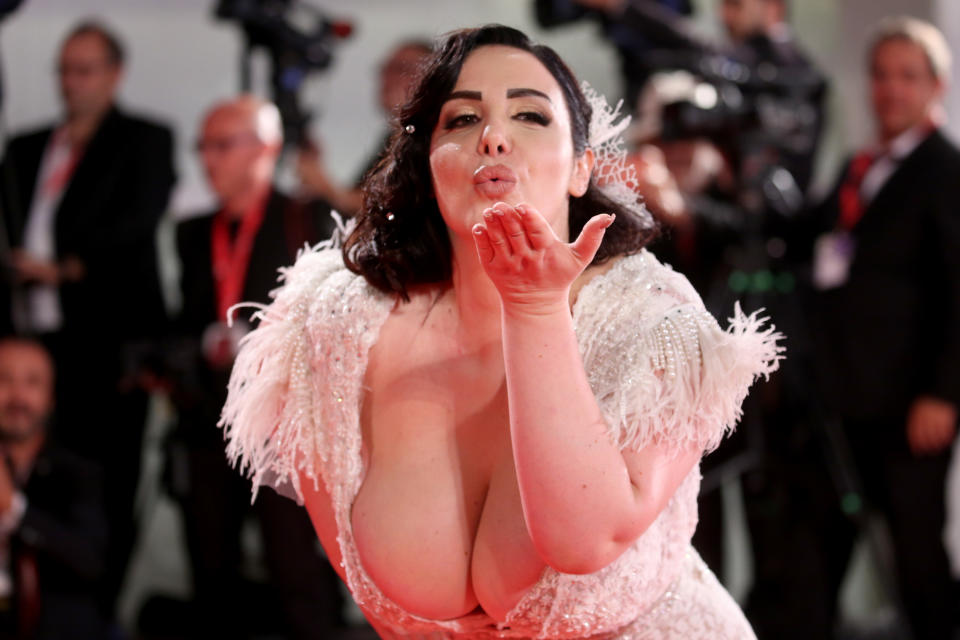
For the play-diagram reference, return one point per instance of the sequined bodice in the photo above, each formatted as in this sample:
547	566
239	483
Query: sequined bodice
661	369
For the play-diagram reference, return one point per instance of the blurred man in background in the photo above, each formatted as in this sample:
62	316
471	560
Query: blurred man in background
81	201
886	274
228	256
52	525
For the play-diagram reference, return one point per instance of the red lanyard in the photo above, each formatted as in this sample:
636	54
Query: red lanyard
232	259
60	175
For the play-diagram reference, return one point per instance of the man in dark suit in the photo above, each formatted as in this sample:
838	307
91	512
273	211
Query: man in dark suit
52	525
81	201
228	256
886	270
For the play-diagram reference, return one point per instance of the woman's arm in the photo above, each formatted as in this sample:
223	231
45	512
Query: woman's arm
584	500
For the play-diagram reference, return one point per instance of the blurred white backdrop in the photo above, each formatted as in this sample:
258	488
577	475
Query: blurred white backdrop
181	59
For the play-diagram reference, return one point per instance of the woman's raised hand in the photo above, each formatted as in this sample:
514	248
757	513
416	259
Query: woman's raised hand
529	265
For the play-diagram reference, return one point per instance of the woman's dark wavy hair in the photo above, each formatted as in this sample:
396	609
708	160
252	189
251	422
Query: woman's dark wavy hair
400	239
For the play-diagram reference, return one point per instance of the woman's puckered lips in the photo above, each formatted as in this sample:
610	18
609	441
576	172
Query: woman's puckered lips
495	180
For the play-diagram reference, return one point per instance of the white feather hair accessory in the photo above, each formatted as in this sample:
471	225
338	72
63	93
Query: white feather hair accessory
612	174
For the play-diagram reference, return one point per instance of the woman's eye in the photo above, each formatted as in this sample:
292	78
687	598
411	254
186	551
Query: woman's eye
462	120
533	116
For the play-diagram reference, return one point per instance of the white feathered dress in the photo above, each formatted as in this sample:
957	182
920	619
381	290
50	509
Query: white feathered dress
662	372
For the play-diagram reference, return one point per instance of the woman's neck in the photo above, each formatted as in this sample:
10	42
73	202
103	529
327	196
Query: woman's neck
476	300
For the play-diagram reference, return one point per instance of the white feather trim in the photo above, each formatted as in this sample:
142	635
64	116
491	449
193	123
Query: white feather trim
698	379
271	438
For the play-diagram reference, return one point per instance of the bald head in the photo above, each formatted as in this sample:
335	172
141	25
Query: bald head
239	145
257	116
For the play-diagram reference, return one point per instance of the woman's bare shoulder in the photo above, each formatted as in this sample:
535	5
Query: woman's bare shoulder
406	328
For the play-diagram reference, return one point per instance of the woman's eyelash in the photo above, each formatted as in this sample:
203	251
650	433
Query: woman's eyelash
459	121
534	116
470	118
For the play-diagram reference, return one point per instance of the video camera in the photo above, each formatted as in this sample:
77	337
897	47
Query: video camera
299	39
764	119
729	97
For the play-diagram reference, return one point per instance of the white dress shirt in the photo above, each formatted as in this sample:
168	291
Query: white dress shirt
37	308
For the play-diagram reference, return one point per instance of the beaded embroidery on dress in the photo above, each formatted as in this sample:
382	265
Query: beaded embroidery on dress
659	365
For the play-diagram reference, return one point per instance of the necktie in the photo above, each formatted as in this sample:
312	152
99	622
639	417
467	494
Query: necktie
851	205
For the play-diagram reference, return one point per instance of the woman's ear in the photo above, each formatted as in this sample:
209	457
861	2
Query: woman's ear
582	170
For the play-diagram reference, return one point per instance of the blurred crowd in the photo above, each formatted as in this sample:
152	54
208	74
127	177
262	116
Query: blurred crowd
850	441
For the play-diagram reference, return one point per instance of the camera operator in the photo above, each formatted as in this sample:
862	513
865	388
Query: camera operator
757	105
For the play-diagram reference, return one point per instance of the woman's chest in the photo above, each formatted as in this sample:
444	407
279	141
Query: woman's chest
439	470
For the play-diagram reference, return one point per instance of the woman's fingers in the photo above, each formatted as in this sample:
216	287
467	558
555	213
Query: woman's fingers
496	233
484	247
539	233
518	233
586	245
509	218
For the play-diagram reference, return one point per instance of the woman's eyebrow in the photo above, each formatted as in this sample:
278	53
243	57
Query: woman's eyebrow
520	93
511	93
463	95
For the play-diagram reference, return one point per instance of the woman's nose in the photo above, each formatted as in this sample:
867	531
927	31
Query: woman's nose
493	140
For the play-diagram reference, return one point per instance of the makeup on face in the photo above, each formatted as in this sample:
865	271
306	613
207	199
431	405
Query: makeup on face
503	134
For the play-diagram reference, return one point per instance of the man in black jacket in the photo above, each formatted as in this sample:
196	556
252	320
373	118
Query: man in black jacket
228	256
52	525
81	201
886	269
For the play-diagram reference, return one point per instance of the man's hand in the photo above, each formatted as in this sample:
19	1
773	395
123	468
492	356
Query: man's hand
931	425
29	269
659	188
72	269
